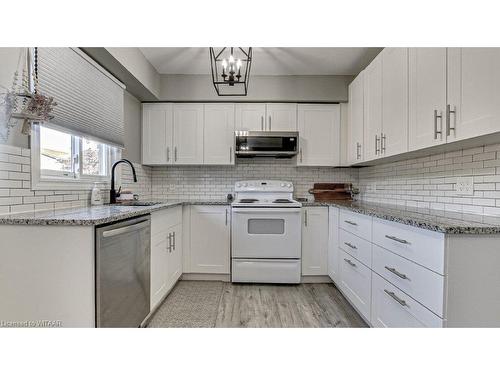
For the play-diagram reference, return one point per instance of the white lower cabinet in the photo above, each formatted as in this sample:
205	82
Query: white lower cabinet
166	252
333	244
210	239
314	241
355	283
392	308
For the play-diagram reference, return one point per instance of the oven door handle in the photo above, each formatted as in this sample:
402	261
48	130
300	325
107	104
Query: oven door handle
261	210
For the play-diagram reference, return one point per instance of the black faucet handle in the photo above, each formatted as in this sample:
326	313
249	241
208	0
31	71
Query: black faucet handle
119	191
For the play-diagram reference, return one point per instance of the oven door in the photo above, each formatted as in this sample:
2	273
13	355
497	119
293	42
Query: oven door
271	233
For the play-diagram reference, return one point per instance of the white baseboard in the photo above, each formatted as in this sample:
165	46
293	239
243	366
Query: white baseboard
206	277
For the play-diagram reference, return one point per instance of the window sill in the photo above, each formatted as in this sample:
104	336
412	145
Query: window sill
65	184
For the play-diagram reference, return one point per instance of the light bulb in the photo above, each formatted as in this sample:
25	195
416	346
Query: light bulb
231	59
224	63
238	63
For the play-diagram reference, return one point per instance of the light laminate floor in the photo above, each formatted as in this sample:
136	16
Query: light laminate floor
218	304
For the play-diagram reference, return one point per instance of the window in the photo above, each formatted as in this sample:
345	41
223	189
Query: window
59	157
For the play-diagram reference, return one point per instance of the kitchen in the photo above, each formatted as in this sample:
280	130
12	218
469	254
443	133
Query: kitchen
343	172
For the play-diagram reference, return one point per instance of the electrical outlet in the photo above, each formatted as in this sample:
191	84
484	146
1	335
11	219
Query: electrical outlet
465	186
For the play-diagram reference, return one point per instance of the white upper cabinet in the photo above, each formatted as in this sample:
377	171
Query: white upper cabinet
315	241
156	133
319	131
281	117
395	101
251	117
188	134
473	92
356	116
218	140
373	109
427	97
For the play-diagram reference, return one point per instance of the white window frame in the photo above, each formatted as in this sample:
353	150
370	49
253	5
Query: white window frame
76	180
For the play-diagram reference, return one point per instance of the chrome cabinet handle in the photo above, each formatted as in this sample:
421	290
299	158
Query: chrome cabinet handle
305	218
170	242
449	128
383	140
397	239
402	302
376	145
262	123
396	272
269	122
168	154
350	245
300	152
358	150
175	153
350	222
226	217
231	154
350	262
173	237
436	132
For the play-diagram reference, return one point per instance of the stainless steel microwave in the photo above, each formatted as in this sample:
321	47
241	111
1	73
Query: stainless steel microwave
266	143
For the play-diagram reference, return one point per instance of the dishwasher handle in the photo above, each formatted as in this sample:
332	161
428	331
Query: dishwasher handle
126	229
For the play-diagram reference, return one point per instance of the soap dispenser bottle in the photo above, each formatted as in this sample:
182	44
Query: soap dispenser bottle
95	198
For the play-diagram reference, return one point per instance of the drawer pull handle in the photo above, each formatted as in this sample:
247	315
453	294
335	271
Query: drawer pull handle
350	245
350	263
402	302
397	239
396	272
350	222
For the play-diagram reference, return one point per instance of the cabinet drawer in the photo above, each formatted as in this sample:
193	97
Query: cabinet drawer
162	220
425	286
355	280
360	225
357	247
392	308
422	246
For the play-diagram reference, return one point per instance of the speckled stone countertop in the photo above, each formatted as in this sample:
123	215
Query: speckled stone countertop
95	215
439	221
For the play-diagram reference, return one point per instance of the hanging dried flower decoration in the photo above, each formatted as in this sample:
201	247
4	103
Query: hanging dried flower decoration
24	101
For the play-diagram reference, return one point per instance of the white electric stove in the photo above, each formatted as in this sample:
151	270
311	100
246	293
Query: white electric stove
266	233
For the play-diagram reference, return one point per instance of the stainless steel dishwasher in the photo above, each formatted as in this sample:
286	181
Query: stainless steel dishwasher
123	252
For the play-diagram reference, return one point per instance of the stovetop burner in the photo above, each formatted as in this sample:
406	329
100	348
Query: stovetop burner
281	200
248	200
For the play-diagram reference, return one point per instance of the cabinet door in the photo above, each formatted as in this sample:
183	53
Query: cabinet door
250	116
356	119
156	133
175	255
188	134
473	92
159	264
395	101
314	241
210	239
373	109
218	140
319	129
427	97
281	117
333	244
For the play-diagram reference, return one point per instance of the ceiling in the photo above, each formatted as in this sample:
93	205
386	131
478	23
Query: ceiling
267	61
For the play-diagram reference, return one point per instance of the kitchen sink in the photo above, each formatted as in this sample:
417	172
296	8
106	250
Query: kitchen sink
136	203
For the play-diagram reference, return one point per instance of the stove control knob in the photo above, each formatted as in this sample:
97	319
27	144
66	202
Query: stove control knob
238	185
283	185
289	185
245	184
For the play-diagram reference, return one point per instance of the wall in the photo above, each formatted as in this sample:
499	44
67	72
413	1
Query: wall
134	61
265	88
429	182
215	182
132	118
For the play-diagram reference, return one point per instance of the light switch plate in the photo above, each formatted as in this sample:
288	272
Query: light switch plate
465	186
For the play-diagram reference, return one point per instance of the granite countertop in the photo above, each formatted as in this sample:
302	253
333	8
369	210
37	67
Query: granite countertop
439	221
94	215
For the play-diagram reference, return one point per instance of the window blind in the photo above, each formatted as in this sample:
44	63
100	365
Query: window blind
89	100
